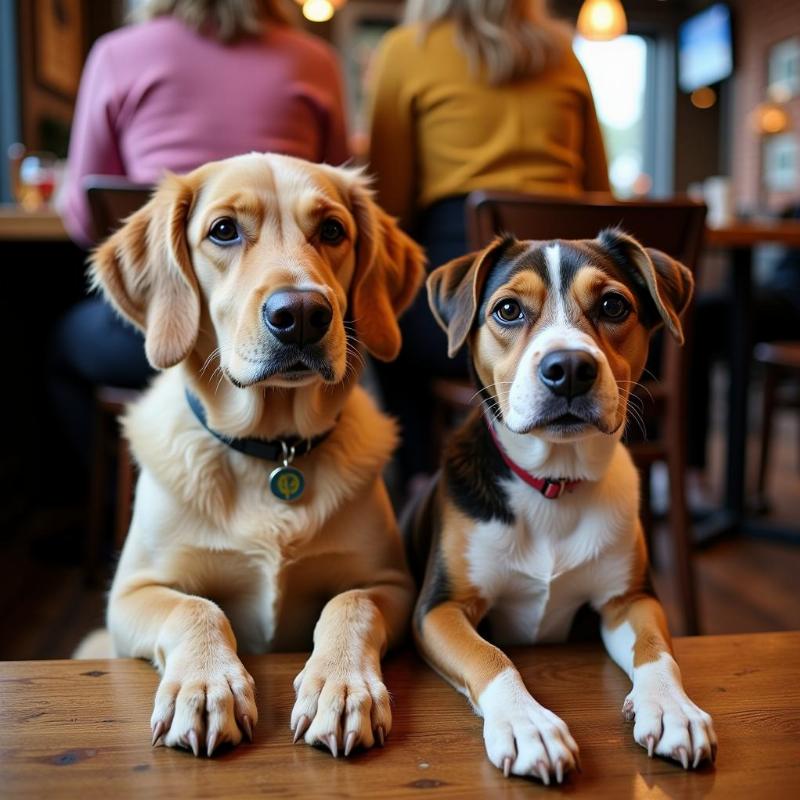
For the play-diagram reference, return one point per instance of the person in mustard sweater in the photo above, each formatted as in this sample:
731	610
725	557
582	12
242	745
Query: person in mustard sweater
469	94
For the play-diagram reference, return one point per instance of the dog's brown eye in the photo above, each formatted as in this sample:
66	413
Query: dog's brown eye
508	311
331	231
615	307
224	231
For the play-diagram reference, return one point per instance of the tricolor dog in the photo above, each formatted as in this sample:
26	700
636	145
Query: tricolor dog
535	512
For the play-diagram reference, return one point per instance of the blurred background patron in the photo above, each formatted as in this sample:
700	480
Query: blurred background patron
470	94
193	81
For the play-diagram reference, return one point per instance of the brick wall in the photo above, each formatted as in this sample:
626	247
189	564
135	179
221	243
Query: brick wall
759	24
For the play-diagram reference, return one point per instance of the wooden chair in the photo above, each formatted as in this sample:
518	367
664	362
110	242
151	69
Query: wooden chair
677	228
780	360
111	199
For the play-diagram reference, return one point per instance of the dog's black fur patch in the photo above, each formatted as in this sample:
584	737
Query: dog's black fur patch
472	472
513	260
435	592
615	256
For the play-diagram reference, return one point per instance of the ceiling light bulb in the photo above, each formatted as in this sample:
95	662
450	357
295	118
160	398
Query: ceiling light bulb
602	20
318	10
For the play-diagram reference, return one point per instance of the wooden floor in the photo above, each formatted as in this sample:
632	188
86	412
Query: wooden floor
744	584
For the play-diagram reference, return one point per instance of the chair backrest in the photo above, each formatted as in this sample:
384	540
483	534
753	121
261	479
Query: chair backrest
674	226
111	200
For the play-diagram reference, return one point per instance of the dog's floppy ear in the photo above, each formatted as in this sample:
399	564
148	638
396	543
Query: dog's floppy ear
454	290
668	283
145	271
389	270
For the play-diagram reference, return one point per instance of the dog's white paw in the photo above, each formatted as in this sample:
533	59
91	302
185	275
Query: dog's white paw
667	723
340	707
200	706
522	737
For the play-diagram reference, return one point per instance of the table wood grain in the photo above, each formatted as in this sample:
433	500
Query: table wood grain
80	729
18	225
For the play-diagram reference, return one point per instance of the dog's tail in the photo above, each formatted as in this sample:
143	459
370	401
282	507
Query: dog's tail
96	645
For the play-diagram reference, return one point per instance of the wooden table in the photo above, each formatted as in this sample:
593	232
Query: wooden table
17	225
748	233
740	238
80	729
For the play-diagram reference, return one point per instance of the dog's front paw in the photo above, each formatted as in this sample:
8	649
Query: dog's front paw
669	724
200	706
522	737
340	706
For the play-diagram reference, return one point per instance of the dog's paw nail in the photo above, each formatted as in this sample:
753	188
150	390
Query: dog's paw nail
651	744
380	735
698	757
543	773
211	742
559	771
247	727
349	743
333	745
194	742
684	757
158	731
507	766
302	727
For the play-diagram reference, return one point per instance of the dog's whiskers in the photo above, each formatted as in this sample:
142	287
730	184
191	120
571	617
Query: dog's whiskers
491	403
634	384
636	415
488	387
214	353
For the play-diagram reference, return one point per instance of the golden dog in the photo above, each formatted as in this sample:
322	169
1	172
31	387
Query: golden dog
254	280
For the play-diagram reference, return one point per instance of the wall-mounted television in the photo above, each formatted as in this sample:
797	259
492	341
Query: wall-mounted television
705	48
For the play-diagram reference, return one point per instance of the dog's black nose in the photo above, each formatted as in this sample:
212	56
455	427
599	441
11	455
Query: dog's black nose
568	373
297	317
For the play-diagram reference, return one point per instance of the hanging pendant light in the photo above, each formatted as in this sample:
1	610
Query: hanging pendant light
602	20
319	10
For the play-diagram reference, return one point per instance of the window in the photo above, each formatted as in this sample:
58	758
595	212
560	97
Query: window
617	72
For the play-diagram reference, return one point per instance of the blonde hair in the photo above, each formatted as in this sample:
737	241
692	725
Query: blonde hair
227	19
510	39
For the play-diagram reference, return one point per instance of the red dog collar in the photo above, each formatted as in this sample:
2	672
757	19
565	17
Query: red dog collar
551	488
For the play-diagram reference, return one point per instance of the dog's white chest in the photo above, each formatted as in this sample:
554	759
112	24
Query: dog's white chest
539	571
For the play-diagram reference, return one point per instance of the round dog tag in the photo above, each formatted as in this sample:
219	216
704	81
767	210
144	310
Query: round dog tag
286	483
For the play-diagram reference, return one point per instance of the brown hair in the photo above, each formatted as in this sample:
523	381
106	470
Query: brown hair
510	39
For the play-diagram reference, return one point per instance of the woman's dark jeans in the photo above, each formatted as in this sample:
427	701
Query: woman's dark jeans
406	382
91	347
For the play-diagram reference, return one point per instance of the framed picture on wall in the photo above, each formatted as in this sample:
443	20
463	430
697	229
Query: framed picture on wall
781	163
784	69
359	27
59	38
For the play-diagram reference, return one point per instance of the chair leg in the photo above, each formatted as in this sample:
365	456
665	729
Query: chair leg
767	409
680	528
97	500
125	478
646	510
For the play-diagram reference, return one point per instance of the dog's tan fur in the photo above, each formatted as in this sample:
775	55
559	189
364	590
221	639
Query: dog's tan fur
214	563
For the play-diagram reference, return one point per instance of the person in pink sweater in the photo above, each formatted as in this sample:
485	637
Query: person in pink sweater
167	95
193	81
